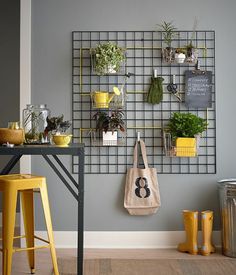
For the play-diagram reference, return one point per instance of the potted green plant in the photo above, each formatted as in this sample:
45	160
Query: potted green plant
168	31
57	127
180	55
109	125
184	129
107	58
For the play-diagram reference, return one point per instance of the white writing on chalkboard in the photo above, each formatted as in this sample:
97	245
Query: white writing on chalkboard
198	89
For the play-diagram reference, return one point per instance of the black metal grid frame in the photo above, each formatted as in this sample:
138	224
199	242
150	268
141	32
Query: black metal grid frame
143	55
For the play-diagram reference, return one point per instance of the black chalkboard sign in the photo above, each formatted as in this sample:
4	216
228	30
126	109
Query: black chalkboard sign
198	89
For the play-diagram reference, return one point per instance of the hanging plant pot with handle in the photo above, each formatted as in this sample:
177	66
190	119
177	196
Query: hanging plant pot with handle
107	58
180	55
109	138
168	54
185	129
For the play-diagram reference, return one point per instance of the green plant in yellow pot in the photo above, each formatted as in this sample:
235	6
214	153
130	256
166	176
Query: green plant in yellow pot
57	127
184	129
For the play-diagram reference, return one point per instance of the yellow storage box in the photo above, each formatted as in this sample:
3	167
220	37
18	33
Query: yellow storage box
186	147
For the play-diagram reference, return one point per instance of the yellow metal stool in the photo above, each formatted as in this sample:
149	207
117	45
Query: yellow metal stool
25	184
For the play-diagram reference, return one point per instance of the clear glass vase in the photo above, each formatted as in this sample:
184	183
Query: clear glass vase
35	122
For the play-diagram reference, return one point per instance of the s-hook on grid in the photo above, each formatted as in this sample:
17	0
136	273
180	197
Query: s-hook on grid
143	56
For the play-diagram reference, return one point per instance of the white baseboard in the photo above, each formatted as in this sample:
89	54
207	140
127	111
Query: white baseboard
124	239
119	239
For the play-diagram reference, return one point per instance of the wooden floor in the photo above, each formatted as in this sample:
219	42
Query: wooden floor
44	267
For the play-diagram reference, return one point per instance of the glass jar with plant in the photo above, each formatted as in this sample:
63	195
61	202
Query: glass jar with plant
34	123
184	129
109	123
107	58
168	31
191	53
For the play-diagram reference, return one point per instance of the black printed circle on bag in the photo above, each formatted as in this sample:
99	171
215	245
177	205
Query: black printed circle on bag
142	190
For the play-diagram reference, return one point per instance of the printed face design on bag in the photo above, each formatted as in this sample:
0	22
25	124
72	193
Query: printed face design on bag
142	190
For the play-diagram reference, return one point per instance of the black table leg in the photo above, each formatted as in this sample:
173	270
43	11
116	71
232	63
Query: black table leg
11	163
65	170
80	245
73	150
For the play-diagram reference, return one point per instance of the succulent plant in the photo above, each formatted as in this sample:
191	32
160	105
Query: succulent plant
105	56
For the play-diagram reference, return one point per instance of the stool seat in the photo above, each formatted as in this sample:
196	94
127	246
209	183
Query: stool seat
10	185
21	181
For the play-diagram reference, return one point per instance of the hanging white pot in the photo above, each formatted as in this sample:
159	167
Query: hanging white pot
109	138
180	57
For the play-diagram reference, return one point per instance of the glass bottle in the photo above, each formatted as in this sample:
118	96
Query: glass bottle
35	122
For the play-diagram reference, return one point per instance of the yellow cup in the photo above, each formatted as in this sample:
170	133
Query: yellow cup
62	140
14	125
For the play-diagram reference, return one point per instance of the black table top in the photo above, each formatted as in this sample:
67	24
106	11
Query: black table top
72	149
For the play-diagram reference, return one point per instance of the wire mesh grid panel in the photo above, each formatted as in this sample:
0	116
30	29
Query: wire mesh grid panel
143	55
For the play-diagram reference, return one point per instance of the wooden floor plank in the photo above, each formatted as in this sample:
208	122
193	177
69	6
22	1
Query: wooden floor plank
44	266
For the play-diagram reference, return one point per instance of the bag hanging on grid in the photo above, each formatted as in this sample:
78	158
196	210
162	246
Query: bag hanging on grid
142	195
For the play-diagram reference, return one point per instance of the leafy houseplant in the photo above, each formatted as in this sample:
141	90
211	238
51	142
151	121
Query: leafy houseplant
169	33
186	125
57	127
107	58
109	125
184	129
106	122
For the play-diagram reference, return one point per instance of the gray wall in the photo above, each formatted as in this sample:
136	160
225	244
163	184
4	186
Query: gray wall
10	64
10	60
52	23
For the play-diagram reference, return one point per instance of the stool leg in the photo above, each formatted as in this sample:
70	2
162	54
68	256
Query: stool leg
46	208
8	228
27	201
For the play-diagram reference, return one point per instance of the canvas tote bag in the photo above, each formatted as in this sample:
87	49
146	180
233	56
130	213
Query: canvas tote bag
142	195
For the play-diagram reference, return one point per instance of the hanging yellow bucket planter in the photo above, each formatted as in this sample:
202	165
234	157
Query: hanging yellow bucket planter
186	147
